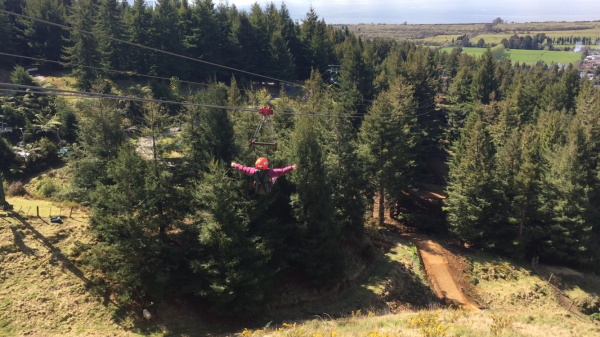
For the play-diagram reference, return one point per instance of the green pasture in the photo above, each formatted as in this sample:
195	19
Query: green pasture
527	56
441	38
497	38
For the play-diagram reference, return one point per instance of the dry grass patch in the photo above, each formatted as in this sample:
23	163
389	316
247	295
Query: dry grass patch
43	291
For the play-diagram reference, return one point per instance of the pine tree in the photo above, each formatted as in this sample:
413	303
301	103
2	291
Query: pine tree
460	89
346	177
571	83
82	48
109	22
138	20
319	235
7	32
387	142
165	35
233	262
484	82
565	200
216	128
282	62
126	251
100	133
316	49
45	41
471	201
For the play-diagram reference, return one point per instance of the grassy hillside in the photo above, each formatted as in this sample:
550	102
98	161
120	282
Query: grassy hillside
518	303
46	293
528	56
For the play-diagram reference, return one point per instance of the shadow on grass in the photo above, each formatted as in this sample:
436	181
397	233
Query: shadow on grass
59	259
390	285
18	239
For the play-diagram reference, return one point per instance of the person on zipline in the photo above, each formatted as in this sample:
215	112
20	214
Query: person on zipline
264	177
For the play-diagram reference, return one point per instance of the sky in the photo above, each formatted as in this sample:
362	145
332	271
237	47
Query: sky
437	11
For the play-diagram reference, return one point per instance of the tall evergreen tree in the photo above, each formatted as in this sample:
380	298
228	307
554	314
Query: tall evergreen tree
165	34
282	62
319	257
471	202
565	200
346	176
387	142
138	21
233	262
316	50
109	22
82	48
484	81
45	41
7	33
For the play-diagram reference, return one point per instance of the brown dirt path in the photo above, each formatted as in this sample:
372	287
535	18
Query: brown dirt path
433	257
436	266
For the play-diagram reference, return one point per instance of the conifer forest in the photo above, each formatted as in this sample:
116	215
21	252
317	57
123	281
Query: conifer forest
361	118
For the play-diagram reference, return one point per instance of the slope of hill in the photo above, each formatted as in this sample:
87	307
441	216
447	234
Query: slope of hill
45	293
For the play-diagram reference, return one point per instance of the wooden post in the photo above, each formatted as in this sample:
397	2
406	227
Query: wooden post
71	212
28	211
38	210
50	211
550	279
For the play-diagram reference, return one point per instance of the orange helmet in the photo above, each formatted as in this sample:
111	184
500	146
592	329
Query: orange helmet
262	163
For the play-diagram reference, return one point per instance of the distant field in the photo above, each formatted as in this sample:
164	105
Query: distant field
528	56
441	32
441	38
496	38
533	56
471	51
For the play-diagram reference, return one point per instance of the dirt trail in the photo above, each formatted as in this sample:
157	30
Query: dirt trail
437	269
433	256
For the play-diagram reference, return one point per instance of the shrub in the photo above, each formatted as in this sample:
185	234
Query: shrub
16	189
47	188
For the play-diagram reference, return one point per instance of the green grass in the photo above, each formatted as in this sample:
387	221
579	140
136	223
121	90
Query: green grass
468	50
441	38
527	56
497	38
550	56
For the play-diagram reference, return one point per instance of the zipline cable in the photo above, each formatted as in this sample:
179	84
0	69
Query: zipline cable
103	69
141	46
149	48
83	94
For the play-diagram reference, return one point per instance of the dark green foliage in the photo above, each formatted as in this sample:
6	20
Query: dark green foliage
7	32
100	132
6	155
109	22
166	35
127	251
138	19
471	200
21	76
319	256
44	41
387	142
233	262
81	49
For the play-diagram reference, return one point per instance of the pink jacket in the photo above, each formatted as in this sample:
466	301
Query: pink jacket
273	173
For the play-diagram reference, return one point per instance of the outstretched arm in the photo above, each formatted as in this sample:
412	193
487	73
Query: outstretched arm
249	171
276	173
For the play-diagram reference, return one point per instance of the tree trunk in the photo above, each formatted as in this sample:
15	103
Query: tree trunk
381	204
